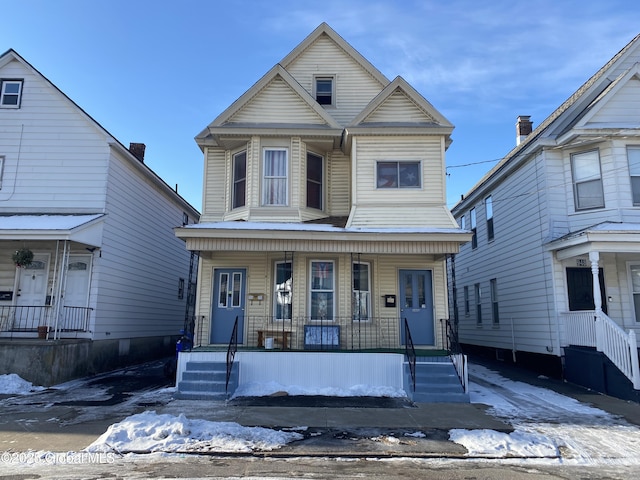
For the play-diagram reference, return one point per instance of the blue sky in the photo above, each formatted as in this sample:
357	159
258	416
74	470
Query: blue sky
158	72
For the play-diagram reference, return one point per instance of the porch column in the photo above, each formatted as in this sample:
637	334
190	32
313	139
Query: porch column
594	257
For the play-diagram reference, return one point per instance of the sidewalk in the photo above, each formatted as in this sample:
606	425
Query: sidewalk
331	426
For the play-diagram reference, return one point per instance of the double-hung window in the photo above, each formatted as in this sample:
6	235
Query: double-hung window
275	177
587	180
633	156
361	292
478	294
495	316
315	172
324	90
283	291
398	174
239	194
10	93
488	210
474	238
322	290
1	170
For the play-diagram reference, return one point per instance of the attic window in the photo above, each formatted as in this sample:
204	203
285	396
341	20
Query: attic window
324	90
10	93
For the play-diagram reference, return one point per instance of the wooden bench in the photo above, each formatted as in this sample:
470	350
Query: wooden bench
279	336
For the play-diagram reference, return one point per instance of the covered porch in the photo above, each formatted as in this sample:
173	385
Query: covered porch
47	296
600	269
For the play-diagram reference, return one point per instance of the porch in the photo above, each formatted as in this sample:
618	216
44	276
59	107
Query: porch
595	331
316	357
47	322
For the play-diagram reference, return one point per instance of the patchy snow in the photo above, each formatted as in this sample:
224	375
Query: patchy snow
313	227
255	389
12	384
546	424
149	432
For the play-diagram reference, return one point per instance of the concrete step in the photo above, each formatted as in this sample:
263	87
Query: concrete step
205	375
206	366
427	397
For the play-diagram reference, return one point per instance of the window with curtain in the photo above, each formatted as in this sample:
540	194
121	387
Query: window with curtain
322	290
274	185
587	180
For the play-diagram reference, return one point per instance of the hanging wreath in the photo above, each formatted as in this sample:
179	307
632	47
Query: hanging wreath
22	257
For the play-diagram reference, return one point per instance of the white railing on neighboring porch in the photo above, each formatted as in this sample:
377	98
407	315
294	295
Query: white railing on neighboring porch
596	329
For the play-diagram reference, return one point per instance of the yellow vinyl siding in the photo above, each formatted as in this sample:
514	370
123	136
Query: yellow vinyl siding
400	207
276	103
399	108
215	185
354	87
384	280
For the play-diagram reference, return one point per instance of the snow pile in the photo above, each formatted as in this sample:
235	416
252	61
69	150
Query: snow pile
12	384
492	444
149	432
254	389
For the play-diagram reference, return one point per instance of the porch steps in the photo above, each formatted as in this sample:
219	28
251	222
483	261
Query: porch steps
206	381
435	382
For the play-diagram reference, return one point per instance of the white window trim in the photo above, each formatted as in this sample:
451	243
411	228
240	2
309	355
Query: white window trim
331	77
398	187
333	290
264	178
576	183
233	178
1	170
631	176
636	320
3	85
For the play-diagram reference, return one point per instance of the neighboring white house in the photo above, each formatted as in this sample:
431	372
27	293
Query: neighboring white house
324	220
553	270
108	281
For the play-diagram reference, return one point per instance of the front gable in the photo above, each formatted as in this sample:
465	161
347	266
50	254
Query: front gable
618	105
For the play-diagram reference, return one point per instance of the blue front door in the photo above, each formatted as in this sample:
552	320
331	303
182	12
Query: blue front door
416	306
227	304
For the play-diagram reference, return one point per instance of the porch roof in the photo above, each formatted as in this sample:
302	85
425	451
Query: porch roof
313	237
612	237
86	229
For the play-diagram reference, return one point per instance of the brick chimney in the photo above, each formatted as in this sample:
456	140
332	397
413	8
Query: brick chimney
524	126
137	149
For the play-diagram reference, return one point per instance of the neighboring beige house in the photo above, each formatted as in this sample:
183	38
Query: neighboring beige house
325	224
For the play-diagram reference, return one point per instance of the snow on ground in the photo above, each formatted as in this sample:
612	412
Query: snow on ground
12	384
546	424
265	389
149	432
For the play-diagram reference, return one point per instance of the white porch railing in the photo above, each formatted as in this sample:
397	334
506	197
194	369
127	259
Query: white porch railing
460	364
596	329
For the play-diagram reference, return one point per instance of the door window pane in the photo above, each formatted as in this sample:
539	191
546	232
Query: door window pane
408	291
222	289
237	287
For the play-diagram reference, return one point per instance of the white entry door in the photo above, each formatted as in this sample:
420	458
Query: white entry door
76	292
32	282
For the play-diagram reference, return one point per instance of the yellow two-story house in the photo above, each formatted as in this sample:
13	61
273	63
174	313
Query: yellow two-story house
324	223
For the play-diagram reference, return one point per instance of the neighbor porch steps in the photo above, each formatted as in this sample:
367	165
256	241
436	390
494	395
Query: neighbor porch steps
206	381
435	382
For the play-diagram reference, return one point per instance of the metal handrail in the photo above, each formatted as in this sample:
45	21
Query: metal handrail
410	352
231	352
